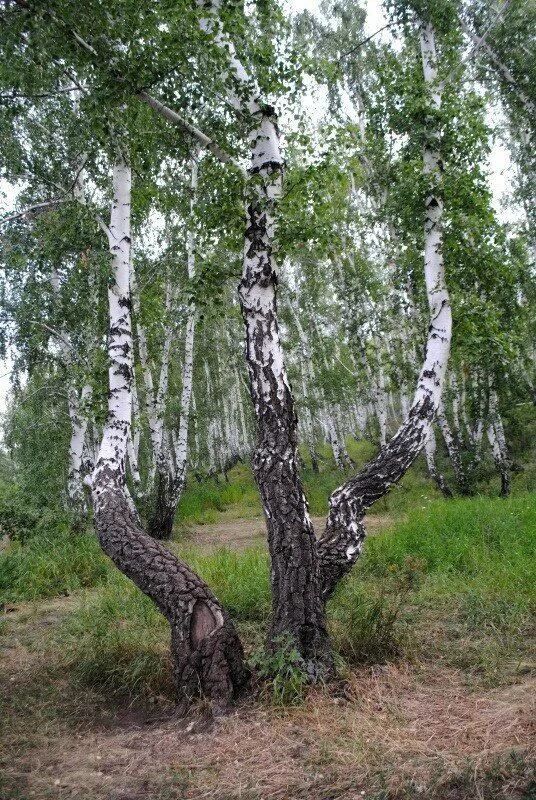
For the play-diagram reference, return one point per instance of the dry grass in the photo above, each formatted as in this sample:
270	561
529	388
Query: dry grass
384	730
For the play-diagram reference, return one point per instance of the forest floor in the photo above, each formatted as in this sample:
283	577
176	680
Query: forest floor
241	533
408	730
436	654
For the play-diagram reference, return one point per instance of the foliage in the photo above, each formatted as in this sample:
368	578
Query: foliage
283	670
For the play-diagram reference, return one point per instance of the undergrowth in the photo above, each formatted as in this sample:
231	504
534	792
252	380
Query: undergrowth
453	582
51	563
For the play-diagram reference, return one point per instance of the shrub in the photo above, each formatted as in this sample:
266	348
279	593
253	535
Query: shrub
283	671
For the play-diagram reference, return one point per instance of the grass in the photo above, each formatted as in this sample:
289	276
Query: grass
203	503
443	601
238	497
51	564
453	582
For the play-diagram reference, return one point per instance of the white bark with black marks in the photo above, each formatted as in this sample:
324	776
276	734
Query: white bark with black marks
430	448
297	608
208	655
172	464
343	538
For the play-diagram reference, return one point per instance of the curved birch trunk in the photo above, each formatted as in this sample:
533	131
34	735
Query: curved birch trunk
297	607
342	541
207	652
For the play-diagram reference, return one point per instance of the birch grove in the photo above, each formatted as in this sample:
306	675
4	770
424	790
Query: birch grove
261	263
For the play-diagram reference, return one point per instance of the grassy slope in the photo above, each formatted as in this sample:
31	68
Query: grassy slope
455	579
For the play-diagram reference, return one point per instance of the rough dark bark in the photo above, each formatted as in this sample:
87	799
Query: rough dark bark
297	606
341	544
207	652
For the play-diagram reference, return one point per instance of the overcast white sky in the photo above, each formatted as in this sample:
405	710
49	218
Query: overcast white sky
500	164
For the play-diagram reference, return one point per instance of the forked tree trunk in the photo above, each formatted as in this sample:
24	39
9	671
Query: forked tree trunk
297	607
207	652
342	541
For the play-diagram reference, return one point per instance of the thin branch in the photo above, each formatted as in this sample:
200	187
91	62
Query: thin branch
478	41
364	41
505	72
53	331
204	140
22	96
34	208
352	373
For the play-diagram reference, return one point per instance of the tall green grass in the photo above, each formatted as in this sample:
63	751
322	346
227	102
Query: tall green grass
238	497
453	582
206	502
51	564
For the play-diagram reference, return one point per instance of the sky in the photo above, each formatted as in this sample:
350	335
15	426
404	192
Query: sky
500	166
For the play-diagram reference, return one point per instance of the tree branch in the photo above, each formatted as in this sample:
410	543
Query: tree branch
34	208
204	140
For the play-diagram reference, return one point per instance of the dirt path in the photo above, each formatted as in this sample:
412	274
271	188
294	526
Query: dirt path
243	533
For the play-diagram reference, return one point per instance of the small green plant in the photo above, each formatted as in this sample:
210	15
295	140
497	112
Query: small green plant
283	671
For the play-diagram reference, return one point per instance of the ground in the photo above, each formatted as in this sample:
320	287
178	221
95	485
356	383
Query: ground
412	728
241	533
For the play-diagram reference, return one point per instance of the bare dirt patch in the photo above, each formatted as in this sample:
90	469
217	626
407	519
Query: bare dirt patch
242	533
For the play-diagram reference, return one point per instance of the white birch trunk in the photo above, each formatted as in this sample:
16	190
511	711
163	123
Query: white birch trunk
297	608
181	447
430	447
147	372
497	440
78	407
109	473
78	415
343	539
452	448
172	464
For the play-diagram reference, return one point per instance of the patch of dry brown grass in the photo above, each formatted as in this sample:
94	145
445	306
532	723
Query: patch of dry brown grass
389	728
